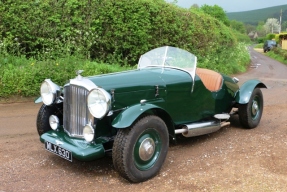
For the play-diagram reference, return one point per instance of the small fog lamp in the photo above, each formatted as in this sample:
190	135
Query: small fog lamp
89	133
54	122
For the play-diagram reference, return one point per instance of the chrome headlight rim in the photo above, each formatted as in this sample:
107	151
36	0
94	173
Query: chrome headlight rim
99	102
89	133
48	91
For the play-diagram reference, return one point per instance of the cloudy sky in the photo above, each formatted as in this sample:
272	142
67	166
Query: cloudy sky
234	5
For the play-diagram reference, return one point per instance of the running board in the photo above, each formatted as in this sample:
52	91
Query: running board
222	116
197	129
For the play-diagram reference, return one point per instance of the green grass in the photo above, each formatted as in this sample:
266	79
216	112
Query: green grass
23	77
259	45
278	54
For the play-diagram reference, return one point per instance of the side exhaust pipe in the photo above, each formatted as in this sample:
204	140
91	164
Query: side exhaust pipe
197	129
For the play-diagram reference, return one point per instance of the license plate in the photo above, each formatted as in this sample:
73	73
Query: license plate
64	153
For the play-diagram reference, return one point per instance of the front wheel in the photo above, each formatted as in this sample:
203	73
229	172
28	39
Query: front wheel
140	151
250	113
42	122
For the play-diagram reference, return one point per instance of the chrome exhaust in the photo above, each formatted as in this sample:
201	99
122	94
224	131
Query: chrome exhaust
196	129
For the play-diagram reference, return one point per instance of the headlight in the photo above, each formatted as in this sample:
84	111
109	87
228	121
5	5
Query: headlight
49	91
88	133
99	102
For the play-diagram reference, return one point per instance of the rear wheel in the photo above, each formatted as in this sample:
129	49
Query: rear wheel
250	113
140	151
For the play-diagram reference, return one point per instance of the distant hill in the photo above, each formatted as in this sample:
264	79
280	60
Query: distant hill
254	16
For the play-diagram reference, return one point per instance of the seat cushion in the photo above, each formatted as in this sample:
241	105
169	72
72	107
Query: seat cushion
211	79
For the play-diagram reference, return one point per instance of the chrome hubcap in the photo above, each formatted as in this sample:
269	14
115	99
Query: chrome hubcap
255	108
146	149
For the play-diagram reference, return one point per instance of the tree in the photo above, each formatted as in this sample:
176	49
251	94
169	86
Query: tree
272	25
284	26
216	12
238	26
249	28
260	29
195	6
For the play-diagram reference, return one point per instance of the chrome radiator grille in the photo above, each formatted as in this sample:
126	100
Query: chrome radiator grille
76	113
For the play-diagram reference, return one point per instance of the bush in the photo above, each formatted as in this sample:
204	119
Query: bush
241	37
278	54
270	36
230	61
261	39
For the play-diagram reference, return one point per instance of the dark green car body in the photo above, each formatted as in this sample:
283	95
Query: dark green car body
170	93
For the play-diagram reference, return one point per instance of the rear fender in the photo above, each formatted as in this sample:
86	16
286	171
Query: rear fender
245	91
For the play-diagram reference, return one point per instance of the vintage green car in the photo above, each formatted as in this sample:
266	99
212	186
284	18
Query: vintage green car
133	115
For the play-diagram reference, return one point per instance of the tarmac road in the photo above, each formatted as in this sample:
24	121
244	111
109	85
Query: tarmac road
232	159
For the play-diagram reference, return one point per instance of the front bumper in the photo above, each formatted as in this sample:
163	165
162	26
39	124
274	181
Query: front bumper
80	149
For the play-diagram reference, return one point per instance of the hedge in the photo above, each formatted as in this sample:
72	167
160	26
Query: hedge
111	31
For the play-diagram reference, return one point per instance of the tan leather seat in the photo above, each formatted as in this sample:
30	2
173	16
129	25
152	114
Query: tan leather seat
211	79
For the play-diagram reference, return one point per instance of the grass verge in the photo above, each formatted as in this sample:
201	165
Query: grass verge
21	77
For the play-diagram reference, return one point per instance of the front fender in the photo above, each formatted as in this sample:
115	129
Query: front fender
128	116
38	100
245	91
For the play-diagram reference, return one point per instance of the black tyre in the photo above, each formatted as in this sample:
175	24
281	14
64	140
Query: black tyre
140	151
44	113
250	113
